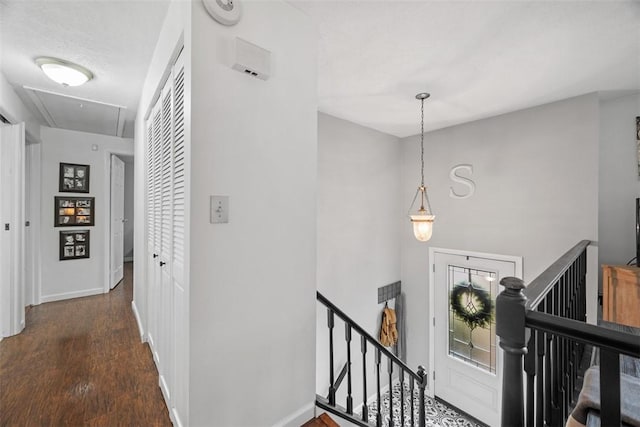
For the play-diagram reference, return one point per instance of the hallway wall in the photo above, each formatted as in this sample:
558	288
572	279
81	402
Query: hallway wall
254	141
12	107
358	235
81	277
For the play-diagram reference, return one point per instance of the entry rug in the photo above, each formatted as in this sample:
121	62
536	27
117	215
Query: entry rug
436	412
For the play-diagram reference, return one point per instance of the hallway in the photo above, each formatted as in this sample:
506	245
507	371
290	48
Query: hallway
81	362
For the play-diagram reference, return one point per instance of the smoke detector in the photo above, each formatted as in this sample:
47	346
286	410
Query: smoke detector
226	12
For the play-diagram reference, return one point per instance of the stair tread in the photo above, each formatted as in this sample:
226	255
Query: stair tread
323	420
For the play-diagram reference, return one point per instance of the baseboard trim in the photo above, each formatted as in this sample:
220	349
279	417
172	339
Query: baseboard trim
165	391
70	295
298	417
143	338
176	418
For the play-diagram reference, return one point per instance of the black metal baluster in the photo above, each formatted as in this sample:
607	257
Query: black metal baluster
530	370
390	371
332	390
564	356
540	346
411	388
556	363
401	397
563	350
365	408
583	293
572	344
347	337
378	415
548	376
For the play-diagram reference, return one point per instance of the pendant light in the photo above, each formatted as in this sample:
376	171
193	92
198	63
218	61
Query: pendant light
423	219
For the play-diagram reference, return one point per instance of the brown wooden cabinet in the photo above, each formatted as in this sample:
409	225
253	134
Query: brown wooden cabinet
621	294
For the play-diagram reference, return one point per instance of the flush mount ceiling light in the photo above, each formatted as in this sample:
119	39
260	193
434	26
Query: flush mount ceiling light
64	72
423	219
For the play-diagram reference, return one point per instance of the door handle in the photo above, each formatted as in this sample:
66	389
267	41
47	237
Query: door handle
155	255
162	263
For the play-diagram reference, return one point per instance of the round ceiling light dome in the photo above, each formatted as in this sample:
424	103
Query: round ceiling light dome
64	72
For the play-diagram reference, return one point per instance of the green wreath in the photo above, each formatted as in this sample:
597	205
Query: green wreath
472	314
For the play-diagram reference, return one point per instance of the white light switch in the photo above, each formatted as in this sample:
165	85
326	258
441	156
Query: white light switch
219	209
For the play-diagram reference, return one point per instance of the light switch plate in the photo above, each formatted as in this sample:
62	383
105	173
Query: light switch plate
219	210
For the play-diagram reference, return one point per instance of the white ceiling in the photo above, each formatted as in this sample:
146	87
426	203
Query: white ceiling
476	58
114	39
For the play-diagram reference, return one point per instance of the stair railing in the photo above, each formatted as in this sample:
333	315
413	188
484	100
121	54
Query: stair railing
416	379
542	331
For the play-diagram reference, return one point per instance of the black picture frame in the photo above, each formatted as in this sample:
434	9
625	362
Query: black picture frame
74	211
74	244
74	178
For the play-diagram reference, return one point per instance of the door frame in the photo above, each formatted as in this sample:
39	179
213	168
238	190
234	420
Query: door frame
33	158
517	260
107	209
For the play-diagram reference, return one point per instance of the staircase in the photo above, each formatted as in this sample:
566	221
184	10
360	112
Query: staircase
383	367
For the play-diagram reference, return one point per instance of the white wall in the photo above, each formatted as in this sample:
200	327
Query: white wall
619	182
536	176
253	280
129	172
74	278
358	236
12	107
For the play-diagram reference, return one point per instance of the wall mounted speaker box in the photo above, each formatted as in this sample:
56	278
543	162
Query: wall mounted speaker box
251	59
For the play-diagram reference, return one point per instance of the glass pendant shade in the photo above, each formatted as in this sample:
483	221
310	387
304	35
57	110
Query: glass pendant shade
422	219
422	225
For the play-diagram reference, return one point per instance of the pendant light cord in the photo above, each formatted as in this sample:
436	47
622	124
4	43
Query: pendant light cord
422	140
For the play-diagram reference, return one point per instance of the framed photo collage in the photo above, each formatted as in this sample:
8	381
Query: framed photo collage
74	211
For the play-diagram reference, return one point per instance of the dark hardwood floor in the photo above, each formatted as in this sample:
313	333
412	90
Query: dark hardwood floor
80	362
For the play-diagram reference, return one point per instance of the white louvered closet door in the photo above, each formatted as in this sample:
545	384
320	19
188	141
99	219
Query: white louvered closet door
153	238
166	221
167	333
180	402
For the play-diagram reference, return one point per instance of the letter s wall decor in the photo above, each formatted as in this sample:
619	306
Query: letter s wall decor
467	182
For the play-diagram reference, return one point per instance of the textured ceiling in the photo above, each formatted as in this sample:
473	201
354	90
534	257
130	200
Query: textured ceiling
114	39
476	58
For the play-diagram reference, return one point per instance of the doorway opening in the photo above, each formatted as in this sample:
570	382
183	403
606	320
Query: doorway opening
120	205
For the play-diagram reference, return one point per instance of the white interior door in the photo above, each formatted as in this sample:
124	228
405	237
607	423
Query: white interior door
166	241
12	194
117	221
467	361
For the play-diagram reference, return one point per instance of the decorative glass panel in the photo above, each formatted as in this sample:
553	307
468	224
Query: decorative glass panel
472	327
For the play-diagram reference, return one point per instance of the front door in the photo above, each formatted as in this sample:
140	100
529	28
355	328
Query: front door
467	361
